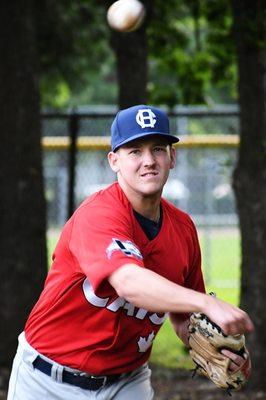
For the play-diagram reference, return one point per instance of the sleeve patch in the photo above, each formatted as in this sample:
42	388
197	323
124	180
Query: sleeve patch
125	246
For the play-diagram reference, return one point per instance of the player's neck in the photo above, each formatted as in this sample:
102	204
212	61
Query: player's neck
146	205
151	213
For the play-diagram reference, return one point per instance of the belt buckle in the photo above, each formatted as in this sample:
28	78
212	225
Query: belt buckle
99	377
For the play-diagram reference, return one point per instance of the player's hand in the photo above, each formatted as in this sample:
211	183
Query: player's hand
236	362
231	319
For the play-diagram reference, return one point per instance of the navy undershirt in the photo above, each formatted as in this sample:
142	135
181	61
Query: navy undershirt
151	228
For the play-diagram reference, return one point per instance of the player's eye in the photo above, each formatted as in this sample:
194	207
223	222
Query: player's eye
134	151
159	149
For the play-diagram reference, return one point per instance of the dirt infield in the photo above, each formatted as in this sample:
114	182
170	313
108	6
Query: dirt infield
179	385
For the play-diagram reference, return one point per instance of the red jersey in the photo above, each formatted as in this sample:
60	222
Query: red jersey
79	320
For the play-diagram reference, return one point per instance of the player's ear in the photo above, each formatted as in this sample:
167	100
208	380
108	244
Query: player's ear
113	161
172	157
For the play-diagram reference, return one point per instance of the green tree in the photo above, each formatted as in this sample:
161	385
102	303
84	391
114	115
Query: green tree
22	205
184	52
192	59
77	64
250	173
74	43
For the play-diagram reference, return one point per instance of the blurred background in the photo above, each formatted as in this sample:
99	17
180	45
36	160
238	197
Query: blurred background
64	73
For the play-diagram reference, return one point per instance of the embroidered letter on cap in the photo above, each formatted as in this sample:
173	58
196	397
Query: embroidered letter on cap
146	118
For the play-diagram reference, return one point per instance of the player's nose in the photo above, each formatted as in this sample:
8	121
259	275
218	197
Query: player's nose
148	158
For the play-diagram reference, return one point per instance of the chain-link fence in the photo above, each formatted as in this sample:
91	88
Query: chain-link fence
200	184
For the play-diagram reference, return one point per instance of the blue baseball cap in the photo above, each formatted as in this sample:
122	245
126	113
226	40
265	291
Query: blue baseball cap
139	121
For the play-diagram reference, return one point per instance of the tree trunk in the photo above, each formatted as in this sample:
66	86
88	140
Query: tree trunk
131	50
250	173
22	205
131	59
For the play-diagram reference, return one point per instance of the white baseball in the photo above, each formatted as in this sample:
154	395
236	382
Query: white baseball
126	15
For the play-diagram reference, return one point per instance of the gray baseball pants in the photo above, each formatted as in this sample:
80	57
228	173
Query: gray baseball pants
27	383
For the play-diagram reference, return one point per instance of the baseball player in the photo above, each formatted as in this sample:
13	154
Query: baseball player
124	260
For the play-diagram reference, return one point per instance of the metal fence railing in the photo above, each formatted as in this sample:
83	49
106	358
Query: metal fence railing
199	183
71	140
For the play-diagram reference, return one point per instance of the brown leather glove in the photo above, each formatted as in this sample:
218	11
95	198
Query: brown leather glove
206	340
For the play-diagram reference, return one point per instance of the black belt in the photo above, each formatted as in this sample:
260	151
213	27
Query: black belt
82	380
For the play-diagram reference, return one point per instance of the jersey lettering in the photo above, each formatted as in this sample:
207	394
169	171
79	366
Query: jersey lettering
116	304
130	309
119	303
141	314
158	320
91	296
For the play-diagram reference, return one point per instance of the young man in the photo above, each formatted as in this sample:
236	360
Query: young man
125	259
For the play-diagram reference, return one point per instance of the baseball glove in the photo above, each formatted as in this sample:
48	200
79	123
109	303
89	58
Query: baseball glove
206	340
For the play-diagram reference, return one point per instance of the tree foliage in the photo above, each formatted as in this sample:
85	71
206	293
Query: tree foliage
76	61
191	57
191	52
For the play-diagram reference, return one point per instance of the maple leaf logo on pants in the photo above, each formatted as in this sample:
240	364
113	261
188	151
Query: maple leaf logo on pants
145	343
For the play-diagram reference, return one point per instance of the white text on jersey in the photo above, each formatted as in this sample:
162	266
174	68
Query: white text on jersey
118	303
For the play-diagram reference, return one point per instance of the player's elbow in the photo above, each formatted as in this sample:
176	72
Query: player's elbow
123	281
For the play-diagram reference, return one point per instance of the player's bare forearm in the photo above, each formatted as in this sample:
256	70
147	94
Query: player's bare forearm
146	289
180	326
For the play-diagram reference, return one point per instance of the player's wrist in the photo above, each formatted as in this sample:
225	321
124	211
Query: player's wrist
189	301
200	302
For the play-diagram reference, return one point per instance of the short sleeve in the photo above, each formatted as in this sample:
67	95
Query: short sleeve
101	241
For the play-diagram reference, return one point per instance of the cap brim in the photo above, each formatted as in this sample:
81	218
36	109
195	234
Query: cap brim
170	138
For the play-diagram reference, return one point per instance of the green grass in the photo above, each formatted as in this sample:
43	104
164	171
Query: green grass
220	260
221	265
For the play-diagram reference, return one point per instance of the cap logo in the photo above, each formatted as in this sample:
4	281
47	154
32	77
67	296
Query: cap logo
146	118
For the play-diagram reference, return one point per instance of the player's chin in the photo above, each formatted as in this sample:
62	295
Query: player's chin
152	188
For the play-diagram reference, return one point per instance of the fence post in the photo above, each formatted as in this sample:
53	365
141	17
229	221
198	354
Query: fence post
73	131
